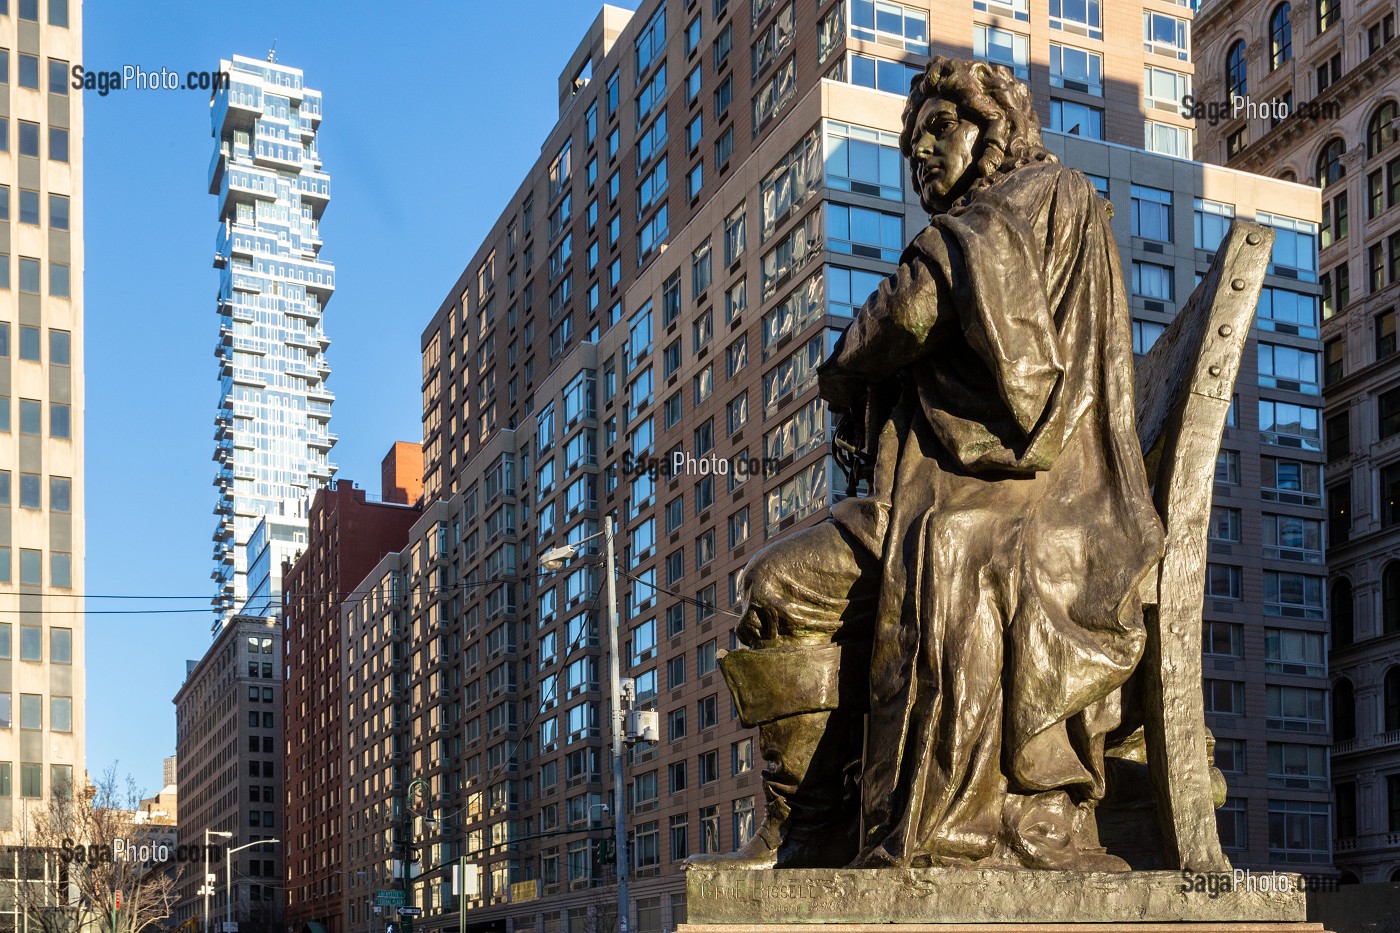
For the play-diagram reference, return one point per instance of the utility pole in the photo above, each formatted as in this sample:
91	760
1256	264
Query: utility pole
408	849
619	727
550	561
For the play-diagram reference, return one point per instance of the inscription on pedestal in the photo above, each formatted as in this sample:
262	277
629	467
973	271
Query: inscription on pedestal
936	895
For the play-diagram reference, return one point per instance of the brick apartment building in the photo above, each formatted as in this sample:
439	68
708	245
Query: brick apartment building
347	534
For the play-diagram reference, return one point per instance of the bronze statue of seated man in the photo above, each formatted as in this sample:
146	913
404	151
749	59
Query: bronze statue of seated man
933	670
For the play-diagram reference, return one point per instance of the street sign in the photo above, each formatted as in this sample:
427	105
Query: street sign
118	903
410	911
389	898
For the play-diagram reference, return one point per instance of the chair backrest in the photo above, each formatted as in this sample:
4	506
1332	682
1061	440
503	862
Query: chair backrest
1184	386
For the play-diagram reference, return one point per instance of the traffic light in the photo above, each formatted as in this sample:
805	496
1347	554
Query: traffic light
605	851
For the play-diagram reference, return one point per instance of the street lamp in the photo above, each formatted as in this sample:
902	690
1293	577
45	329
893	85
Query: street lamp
554	559
208	878
228	878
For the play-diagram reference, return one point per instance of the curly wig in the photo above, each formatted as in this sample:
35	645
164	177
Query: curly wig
986	94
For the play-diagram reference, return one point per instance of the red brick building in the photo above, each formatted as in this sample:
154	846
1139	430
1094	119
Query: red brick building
347	536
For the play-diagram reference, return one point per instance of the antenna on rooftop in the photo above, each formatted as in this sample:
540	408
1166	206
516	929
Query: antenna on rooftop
272	52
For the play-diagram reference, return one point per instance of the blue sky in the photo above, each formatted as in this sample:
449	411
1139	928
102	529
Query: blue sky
430	123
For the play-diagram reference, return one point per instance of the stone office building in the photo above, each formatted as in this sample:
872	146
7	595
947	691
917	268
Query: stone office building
1333	64
228	741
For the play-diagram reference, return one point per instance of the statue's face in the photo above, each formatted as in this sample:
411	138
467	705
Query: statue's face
941	157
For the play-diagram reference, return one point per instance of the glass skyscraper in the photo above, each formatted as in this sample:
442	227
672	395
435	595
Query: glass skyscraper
272	438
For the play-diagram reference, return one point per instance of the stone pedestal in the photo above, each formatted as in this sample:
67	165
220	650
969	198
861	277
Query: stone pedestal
942	900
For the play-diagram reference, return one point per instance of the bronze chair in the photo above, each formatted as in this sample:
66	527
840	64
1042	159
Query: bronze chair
1184	388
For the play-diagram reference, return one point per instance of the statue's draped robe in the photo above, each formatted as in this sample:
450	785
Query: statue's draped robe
1012	512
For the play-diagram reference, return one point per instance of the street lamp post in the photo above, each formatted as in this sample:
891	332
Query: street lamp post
228	879
208	878
554	559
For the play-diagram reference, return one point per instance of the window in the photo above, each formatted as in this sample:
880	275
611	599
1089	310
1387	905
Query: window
864	161
1145	334
1336	290
28	71
1225	524
1287	312
1224	697
1329	14
1167	139
1290	368
736	356
1298	830
734	236
724	95
29	275
1077	16
1151	280
651	43
774	93
1290	481
31	711
1166	35
702	329
30	417
724	44
694	131
1223	639
1280	36
1334	225
679	833
890	24
1076	119
736	299
1152	213
30	491
1378	34
692	35
1329	167
1236	80
1289	651
1230	755
1212	221
1223	581
1380	131
1287	425
61	714
1339	436
58	212
1293	595
692	85
863	232
882	74
724	147
1232	823
695	180
700	269
1001	47
1079	70
58	280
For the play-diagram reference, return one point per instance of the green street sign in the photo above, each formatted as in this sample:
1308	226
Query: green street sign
388	899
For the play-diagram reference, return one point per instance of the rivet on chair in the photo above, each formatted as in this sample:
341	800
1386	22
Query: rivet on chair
1214	370
1237	285
1226	330
1252	239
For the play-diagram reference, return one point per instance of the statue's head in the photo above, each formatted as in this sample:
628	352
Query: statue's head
965	122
